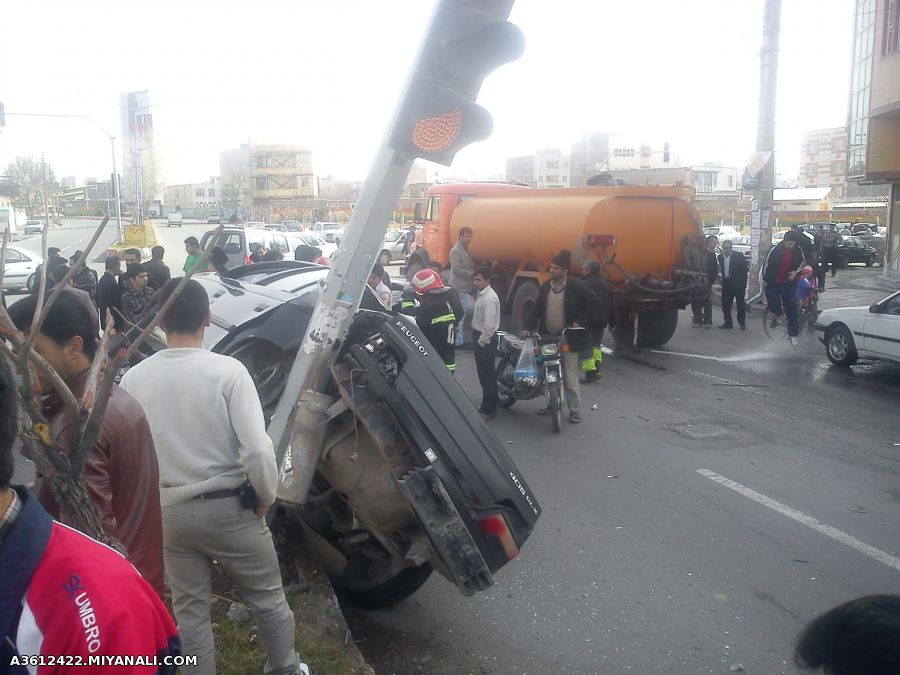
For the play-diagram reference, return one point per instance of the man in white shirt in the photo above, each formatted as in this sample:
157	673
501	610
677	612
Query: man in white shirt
376	281
485	322
210	437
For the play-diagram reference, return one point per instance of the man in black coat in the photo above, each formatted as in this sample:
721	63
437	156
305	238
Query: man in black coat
783	264
733	268
701	305
564	302
109	293
157	269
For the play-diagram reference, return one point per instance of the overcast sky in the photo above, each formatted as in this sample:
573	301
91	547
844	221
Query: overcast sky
327	74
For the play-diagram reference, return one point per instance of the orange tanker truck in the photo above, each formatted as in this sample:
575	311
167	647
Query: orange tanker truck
648	240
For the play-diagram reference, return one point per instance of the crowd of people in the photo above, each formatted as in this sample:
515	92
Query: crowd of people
791	277
178	486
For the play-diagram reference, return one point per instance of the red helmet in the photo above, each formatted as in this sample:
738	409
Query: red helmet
426	280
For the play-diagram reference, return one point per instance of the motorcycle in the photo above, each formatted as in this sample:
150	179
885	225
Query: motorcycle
549	377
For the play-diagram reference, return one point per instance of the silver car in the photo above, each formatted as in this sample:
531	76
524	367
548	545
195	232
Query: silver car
20	268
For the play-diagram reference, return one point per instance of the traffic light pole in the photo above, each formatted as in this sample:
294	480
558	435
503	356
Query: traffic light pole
437	115
331	320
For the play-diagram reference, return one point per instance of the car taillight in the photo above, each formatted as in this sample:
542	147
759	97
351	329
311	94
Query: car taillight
495	526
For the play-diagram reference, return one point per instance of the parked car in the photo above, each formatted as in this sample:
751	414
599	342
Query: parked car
20	268
722	232
292	225
277	227
213	219
741	244
331	232
257	224
854	250
852	333
34	227
239	243
175	219
295	239
393	247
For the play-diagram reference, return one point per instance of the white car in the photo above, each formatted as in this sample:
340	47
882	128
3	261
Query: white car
34	227
393	247
851	333
20	268
331	232
312	239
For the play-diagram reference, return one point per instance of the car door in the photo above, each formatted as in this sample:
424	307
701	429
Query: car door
881	330
17	270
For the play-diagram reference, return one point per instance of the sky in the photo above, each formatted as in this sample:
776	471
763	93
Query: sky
327	74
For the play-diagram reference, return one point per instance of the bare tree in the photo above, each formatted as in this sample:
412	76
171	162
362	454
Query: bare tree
64	466
33	179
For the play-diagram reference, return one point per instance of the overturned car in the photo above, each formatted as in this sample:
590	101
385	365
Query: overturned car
410	479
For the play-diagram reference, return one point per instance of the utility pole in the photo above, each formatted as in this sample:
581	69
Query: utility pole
763	195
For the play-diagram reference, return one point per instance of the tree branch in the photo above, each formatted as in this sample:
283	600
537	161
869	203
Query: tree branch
45	310
3	260
90	387
42	288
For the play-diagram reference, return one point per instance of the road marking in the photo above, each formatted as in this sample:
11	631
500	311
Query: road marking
809	521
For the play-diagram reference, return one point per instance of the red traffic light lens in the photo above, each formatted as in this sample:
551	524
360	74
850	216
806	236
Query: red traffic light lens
436	134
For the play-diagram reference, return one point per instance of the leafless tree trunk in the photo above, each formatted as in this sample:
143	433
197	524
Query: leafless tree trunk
64	466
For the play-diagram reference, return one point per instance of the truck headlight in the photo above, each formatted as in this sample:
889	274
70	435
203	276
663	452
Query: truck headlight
551	349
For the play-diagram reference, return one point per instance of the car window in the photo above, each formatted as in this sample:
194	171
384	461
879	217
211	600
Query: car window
892	306
231	243
392	235
14	256
256	240
280	242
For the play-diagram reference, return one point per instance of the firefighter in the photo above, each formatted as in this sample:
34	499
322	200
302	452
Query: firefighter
435	316
592	357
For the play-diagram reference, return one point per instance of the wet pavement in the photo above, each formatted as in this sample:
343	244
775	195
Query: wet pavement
727	489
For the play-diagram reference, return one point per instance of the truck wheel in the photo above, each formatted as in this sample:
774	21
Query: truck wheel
656	327
384	258
523	303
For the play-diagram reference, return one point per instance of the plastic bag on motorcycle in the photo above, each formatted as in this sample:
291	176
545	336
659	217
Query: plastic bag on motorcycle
527	375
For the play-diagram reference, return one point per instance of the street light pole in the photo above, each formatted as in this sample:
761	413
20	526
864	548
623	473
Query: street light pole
112	140
119	234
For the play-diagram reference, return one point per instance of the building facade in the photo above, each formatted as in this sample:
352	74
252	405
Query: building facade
588	157
874	115
521	170
194	195
551	168
823	160
281	172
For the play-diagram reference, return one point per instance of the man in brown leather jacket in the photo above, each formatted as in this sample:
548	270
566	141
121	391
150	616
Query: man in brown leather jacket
121	471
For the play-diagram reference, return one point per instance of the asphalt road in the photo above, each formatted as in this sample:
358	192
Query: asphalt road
647	559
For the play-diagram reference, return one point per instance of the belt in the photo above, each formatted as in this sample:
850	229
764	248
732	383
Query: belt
219	494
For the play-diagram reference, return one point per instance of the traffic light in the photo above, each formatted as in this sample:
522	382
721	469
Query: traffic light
468	40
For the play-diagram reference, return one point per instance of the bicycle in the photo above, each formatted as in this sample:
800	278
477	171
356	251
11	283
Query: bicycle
776	326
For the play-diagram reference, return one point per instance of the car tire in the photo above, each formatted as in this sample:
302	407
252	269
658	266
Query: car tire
384	258
840	347
392	591
870	261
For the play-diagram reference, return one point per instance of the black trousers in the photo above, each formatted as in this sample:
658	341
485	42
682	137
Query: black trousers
730	294
830	258
701	306
485	363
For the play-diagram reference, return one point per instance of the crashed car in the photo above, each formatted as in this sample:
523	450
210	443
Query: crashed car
410	479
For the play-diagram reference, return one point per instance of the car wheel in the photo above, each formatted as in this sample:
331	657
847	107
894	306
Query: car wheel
384	258
870	261
364	592
839	346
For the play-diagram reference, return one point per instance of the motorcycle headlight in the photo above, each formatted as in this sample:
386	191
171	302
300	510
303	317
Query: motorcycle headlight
551	349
